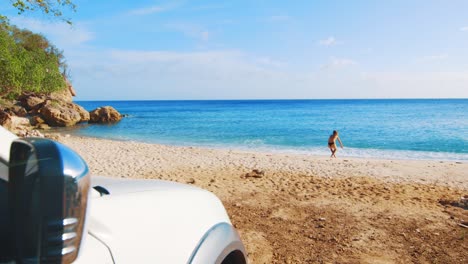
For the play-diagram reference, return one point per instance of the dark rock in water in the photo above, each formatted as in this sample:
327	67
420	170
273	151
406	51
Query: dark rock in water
105	114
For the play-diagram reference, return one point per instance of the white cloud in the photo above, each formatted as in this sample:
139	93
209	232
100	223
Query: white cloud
147	10
211	7
191	30
330	41
204	35
154	9
464	28
61	35
429	76
337	63
429	84
267	61
233	74
183	75
228	22
279	18
437	57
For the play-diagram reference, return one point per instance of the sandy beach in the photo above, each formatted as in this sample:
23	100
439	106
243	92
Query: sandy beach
291	208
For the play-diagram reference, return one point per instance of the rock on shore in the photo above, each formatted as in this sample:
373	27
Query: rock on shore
32	111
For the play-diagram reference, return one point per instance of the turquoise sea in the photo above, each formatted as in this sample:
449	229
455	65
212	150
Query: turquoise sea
396	129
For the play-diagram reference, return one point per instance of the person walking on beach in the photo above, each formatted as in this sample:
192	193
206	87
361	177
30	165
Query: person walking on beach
332	143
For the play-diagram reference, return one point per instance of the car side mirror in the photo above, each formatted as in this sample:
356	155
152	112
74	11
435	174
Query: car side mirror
48	193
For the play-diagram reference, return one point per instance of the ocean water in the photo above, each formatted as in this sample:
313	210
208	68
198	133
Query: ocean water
395	129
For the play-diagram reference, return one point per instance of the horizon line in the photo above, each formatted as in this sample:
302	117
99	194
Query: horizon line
266	99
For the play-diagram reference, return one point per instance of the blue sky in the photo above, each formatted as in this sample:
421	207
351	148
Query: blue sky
165	50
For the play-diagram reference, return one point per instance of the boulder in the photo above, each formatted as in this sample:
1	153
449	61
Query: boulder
19	125
83	113
5	119
64	95
61	114
36	120
43	126
105	114
30	133
6	103
14	123
31	100
19	110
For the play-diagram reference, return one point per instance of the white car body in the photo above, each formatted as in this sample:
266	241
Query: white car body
150	221
162	221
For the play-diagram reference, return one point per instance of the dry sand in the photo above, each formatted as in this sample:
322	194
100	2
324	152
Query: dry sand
310	209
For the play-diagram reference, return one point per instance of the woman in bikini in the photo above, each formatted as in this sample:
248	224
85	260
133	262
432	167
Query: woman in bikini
331	143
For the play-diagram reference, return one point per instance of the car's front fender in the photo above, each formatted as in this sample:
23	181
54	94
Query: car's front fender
220	243
151	221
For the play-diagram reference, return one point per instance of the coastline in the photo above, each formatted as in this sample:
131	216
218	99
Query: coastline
307	209
313	151
436	126
149	160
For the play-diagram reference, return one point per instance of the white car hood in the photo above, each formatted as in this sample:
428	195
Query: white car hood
152	221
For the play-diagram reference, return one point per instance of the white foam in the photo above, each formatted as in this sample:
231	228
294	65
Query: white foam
403	154
260	145
360	153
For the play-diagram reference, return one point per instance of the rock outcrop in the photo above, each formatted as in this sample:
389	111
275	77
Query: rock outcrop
83	113
19	110
65	95
105	114
31	101
42	111
14	123
5	119
61	114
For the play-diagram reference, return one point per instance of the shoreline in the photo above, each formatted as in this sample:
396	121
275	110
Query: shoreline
159	161
390	154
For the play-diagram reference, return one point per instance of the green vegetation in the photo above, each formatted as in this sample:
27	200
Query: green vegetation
28	62
52	7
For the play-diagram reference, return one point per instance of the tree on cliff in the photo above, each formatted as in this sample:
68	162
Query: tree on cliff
28	62
53	7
